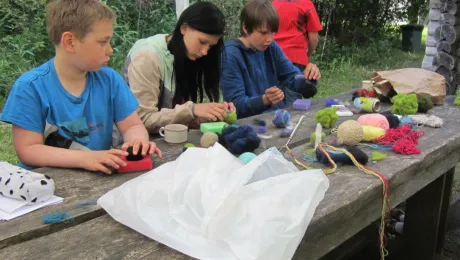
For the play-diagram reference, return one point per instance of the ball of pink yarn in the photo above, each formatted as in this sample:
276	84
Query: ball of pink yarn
376	120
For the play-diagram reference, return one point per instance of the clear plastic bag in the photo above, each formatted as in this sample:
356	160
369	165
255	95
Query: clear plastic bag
208	205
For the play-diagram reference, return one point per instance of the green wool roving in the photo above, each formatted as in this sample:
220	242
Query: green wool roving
424	104
327	117
404	104
231	117
313	137
457	99
378	156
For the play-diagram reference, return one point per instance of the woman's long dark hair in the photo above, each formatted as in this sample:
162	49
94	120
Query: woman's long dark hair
195	77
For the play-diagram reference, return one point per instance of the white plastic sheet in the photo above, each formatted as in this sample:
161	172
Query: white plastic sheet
208	205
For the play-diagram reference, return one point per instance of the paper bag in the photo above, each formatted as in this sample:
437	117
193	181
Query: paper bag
410	80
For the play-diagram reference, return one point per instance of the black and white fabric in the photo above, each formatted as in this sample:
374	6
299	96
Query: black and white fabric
18	183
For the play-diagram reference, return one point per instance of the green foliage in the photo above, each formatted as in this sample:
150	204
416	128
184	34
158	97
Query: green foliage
327	117
404	104
416	8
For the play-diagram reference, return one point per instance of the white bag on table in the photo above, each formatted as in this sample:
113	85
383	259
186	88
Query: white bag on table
208	205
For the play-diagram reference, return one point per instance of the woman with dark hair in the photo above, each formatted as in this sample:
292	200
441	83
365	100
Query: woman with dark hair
169	74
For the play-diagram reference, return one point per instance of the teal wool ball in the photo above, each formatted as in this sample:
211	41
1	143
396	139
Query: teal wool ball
246	157
281	118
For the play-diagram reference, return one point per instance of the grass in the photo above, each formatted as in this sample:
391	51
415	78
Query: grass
340	75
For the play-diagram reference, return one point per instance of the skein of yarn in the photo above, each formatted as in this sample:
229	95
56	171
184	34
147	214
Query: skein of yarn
350	132
422	120
377	120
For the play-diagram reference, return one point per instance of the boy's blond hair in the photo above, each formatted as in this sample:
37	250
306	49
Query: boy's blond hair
76	16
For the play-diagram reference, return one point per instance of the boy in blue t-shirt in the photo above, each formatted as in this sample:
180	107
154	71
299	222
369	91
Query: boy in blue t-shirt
64	112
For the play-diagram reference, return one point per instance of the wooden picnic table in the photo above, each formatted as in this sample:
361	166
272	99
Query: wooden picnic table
353	201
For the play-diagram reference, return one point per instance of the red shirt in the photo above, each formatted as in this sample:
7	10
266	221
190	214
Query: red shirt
297	18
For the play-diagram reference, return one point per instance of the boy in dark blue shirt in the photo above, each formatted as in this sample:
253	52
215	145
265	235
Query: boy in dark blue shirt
256	75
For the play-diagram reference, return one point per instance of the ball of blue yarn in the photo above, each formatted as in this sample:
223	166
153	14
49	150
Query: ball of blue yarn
239	140
281	118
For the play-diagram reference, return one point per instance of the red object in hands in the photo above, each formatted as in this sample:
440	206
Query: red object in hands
144	164
372	93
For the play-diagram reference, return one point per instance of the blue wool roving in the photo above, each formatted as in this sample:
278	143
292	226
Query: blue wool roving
286	132
258	121
281	118
239	140
329	102
246	157
406	120
57	217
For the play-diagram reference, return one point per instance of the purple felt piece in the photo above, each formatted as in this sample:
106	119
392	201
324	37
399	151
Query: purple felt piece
302	104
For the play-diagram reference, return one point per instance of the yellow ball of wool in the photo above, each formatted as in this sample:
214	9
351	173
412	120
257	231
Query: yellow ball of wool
371	133
208	139
349	132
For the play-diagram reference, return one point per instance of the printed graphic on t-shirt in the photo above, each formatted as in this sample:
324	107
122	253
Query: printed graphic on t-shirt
76	134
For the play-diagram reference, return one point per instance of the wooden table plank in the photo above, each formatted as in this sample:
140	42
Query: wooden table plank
80	186
352	202
76	242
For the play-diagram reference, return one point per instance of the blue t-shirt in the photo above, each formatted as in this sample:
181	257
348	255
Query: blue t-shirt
38	102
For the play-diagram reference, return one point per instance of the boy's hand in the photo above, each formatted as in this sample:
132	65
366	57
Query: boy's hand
274	95
99	160
147	147
312	72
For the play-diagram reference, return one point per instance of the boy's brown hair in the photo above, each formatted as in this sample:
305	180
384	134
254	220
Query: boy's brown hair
76	16
257	13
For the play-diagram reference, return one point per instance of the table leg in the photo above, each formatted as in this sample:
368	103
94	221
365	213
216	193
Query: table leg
425	219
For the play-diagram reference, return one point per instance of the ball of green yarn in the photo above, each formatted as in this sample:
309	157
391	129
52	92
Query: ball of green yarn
327	117
313	137
404	104
231	117
424	104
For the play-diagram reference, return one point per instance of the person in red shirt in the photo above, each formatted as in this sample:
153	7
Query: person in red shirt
298	30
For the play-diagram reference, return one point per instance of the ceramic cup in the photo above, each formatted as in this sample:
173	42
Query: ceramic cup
174	133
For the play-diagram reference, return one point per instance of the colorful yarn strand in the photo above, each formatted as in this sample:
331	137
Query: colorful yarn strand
386	190
306	167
